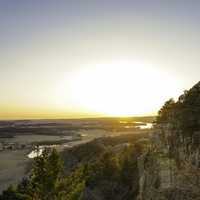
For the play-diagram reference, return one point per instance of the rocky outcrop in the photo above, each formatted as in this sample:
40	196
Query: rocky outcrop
149	176
162	179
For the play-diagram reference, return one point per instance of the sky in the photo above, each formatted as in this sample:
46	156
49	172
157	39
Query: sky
75	58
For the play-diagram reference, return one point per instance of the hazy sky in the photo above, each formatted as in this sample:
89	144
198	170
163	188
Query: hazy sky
46	45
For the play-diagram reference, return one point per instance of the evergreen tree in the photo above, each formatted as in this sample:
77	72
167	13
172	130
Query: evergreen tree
45	175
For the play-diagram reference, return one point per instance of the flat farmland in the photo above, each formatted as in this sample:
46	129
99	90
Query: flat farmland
13	166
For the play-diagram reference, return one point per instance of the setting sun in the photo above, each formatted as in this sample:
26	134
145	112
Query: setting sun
93	59
100	99
120	88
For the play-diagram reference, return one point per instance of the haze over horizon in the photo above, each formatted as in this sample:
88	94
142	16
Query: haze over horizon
72	59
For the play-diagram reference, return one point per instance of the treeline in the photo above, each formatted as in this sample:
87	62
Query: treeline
96	172
182	120
43	181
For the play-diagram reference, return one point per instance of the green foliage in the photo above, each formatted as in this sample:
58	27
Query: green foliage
14	194
110	175
183	120
166	111
76	193
128	166
183	114
81	154
42	182
45	175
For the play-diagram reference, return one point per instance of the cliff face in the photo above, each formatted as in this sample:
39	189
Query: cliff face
174	159
161	179
149	176
178	124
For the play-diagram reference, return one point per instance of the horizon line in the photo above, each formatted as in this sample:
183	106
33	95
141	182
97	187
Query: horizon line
71	118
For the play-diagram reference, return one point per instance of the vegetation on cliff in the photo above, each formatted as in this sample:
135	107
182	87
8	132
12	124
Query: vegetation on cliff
105	169
182	119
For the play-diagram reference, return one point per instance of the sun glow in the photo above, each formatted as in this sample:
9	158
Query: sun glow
120	89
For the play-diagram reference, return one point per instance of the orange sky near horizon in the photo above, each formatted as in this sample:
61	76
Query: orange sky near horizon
79	58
